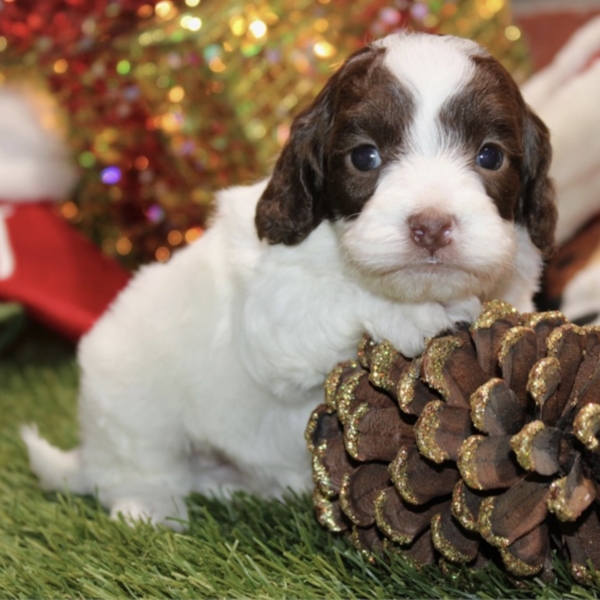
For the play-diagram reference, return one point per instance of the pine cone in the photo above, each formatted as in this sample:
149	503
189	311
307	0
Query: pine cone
484	446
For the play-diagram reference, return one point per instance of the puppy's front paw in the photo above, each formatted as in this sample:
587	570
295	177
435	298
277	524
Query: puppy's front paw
405	326
171	513
410	326
465	310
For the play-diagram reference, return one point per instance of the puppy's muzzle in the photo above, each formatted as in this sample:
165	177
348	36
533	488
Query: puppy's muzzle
431	230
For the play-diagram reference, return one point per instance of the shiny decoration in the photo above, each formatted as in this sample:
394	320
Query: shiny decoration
168	101
491	452
110	175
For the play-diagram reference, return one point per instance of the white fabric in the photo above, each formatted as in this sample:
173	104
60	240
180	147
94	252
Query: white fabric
7	258
34	161
567	98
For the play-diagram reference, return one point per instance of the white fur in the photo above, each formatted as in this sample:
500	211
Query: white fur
483	248
446	70
203	373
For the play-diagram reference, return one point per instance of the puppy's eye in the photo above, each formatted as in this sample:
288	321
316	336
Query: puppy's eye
365	158
490	157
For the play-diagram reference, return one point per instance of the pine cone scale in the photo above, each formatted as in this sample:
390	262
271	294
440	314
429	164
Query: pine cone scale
581	540
517	355
329	513
441	429
401	522
359	492
544	379
510	515
566	344
496	409
529	554
413	395
538	447
418	480
330	464
449	367
488	463
571	495
451	540
466	504
374	433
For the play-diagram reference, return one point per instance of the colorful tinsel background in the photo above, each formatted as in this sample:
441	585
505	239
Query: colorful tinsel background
165	102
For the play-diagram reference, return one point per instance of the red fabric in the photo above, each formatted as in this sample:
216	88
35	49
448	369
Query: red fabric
59	275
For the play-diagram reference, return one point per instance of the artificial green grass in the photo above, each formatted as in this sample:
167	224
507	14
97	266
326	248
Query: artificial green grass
59	545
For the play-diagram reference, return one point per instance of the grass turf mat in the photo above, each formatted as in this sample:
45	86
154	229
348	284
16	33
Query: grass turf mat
60	545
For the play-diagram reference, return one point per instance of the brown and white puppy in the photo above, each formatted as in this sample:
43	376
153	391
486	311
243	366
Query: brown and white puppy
413	188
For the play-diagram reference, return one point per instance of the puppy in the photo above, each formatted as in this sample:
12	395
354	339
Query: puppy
414	187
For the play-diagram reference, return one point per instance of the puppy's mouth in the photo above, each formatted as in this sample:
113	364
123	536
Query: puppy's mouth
438	264
436	260
432	265
442	261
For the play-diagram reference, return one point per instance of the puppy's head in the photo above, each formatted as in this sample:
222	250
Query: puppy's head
422	152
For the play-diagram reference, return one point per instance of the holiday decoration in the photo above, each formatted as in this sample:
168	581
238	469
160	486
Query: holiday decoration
169	101
485	446
58	275
563	95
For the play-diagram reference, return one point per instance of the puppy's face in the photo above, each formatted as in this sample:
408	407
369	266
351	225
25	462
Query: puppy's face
422	152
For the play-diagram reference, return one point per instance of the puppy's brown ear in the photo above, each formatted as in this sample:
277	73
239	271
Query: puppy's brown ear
537	206
291	205
288	210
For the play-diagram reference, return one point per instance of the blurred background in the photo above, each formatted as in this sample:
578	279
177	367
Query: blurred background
145	108
548	24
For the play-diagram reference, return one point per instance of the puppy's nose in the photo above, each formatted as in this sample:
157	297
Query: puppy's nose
431	229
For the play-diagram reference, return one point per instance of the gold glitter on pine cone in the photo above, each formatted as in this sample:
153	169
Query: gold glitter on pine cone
485	446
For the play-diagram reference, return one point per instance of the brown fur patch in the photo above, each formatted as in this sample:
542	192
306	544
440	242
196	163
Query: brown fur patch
490	109
313	180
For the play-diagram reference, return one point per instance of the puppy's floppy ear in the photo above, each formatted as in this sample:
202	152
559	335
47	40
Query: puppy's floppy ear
537	205
288	209
291	207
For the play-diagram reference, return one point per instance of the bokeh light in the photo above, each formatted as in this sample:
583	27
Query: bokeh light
110	175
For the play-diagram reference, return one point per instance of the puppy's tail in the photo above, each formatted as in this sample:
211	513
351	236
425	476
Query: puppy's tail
56	469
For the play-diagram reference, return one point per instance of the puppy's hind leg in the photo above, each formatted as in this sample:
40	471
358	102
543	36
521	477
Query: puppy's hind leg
141	502
148	483
147	486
